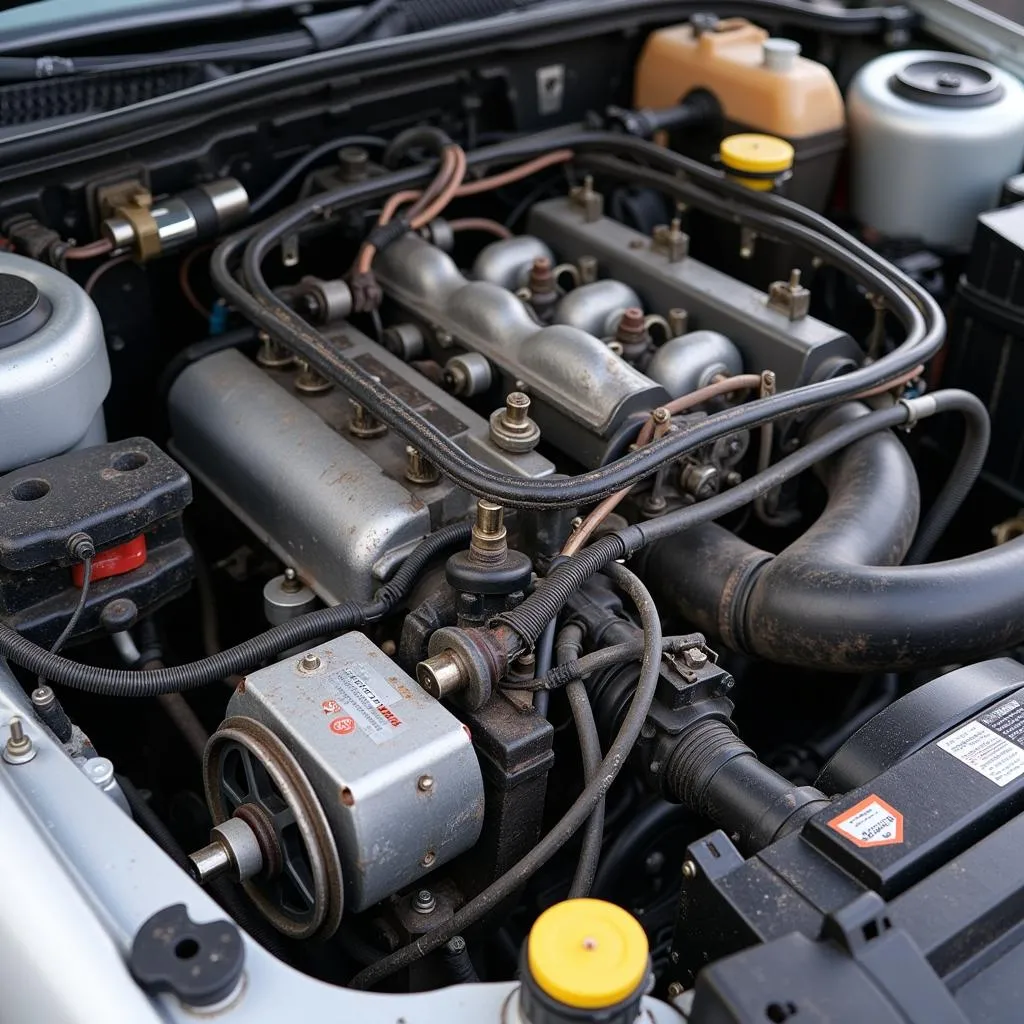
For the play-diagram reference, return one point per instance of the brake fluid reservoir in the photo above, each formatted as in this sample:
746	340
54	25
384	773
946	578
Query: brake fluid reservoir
933	136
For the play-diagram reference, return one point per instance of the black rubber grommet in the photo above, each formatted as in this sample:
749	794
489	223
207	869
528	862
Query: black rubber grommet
199	963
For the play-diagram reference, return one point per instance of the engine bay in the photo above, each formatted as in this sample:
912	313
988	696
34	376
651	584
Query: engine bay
517	520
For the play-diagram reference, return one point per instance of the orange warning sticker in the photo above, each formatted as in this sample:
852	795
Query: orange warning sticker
872	822
343	726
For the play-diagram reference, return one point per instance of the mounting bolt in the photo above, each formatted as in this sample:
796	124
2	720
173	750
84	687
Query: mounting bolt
418	468
689	869
271	355
424	903
309	663
291	584
694	657
425	783
675	989
671	240
364	424
311	382
512	428
19	747
790	297
590	202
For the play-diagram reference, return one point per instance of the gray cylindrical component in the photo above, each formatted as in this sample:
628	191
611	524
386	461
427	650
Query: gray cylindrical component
54	371
286	598
692	360
507	262
933	136
597	307
469	373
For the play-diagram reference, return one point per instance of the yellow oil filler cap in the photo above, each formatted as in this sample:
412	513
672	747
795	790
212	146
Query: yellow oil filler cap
588	954
764	157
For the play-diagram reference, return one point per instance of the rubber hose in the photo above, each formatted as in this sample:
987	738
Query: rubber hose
818	605
457	963
268	195
545	653
590	748
529	619
574	817
715	774
244	656
420	137
962	477
569	646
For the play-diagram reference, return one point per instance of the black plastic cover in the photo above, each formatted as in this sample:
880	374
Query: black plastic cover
113	492
915	720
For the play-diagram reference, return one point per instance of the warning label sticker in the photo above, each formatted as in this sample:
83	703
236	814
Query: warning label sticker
872	822
365	702
983	744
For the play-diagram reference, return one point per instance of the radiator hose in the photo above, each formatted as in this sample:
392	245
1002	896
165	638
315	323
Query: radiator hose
837	599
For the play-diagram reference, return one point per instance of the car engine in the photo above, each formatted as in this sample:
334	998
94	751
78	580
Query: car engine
523	525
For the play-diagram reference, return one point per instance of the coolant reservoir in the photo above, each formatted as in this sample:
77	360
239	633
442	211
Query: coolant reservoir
933	136
761	85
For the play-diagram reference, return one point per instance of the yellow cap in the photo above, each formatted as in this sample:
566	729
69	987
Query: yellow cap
587	954
759	154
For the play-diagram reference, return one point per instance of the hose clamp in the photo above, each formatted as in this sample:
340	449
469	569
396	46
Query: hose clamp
917	409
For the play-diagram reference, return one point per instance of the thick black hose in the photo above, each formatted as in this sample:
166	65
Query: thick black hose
962	477
911	304
244	656
774	476
837	599
573	818
528	619
717	776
